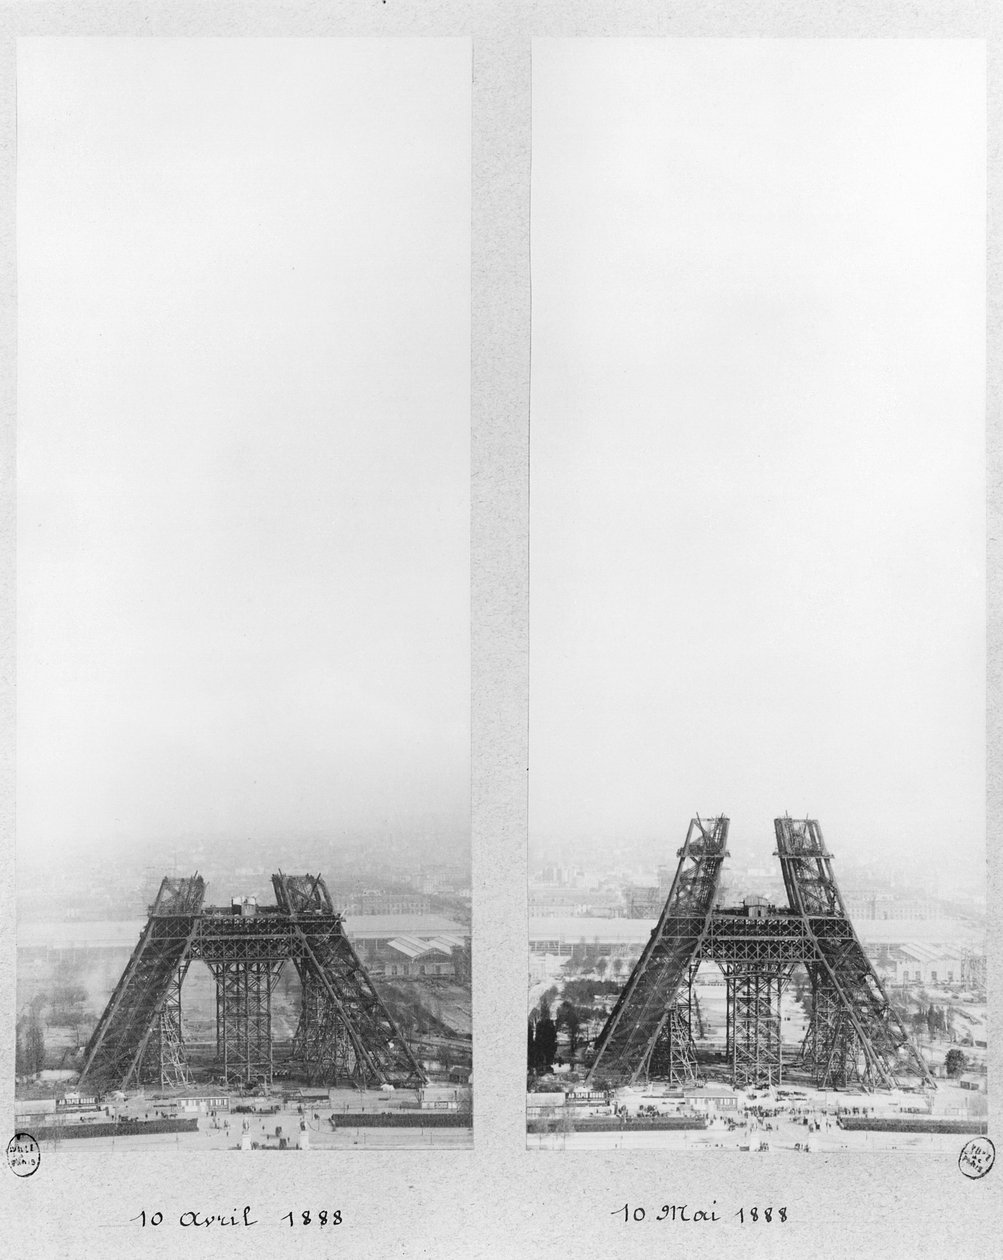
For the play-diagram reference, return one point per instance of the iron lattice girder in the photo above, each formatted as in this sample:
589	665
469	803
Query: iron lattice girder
165	1060
330	967
636	1021
244	1015
114	1054
813	931
245	955
831	1049
754	1037
806	866
322	1042
673	1057
884	1043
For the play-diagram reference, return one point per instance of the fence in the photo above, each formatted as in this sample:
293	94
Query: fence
402	1120
614	1124
921	1124
58	1131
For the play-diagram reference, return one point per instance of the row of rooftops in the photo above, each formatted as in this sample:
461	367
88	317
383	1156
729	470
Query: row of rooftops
416	946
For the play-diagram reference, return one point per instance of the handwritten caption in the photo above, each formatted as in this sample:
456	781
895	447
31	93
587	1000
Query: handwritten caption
209	1220
685	1213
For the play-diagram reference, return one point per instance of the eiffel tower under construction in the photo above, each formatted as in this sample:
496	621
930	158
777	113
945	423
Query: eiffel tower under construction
345	1033
854	1035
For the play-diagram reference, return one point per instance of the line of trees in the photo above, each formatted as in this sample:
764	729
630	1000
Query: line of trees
591	958
933	1021
585	992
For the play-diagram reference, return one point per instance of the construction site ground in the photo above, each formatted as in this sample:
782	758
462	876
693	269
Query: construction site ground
224	1128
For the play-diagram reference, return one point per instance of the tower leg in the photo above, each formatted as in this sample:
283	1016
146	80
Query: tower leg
673	1058
830	1051
166	1061
322	1044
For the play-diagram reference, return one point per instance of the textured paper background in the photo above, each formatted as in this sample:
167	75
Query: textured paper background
499	1199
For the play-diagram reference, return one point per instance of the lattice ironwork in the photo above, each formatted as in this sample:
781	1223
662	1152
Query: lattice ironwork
345	1030
754	1044
829	1049
322	1045
114	1055
244	1018
635	1024
973	969
166	1061
349	1031
673	1057
854	1035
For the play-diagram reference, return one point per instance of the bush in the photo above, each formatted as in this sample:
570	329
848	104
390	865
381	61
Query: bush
955	1062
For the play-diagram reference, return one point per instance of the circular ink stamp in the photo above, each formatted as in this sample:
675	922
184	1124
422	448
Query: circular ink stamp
977	1157
23	1155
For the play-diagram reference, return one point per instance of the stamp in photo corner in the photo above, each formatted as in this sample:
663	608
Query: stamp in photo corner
23	1155
977	1157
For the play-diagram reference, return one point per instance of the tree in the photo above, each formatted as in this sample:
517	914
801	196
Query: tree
531	1047
955	1062
30	1047
568	1017
546	1042
618	966
601	966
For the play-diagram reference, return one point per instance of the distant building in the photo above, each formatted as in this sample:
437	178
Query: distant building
712	1098
413	957
556	900
865	904
918	963
110	943
381	902
575	935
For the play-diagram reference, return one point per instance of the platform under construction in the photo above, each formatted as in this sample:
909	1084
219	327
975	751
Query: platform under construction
345	1034
854	1036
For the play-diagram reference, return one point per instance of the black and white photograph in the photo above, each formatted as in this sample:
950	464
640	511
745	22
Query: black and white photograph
243	680
757	889
501	537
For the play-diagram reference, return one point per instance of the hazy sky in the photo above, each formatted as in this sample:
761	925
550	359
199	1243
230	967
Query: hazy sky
758	482
243	436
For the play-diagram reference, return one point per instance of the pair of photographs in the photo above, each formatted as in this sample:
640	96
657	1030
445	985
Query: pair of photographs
756	609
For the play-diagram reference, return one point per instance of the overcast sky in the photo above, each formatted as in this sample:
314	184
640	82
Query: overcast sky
243	436
758	482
